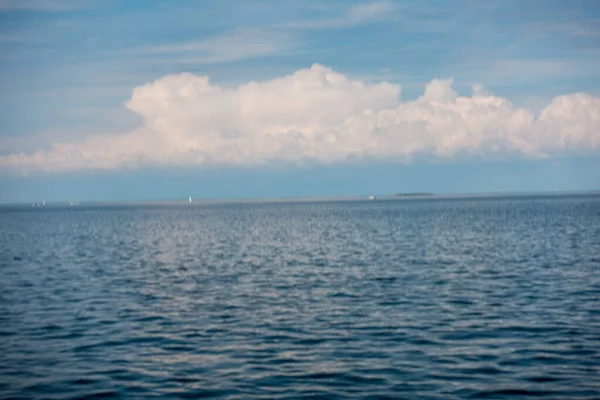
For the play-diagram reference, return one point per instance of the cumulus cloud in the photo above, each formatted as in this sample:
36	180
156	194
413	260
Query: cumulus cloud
319	115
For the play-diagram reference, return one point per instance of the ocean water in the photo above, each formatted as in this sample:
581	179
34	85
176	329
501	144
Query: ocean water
414	298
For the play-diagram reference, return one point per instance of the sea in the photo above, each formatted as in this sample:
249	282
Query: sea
408	298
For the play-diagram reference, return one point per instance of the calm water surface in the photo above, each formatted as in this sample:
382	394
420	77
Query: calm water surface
461	298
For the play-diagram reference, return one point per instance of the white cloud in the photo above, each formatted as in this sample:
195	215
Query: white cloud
319	115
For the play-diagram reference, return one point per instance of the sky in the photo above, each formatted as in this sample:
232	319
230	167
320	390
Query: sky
156	100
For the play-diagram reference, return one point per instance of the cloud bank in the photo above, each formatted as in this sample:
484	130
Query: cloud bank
317	115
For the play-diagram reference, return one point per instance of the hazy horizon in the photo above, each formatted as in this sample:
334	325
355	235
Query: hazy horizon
317	198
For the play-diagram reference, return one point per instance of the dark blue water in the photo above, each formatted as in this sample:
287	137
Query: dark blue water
488	298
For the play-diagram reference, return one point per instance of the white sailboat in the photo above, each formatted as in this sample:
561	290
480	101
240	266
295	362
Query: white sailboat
190	199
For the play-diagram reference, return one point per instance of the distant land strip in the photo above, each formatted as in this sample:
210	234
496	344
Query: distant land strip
413	194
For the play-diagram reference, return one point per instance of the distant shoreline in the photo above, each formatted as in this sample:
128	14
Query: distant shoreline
383	197
413	194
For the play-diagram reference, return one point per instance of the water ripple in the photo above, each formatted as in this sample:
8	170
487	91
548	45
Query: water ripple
489	298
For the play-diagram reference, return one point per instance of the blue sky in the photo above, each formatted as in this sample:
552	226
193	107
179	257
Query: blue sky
68	67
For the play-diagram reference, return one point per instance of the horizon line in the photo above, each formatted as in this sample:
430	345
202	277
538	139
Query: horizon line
366	197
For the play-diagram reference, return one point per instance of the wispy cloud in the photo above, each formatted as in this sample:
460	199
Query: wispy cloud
519	71
235	45
582	28
39	5
246	43
355	15
577	33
